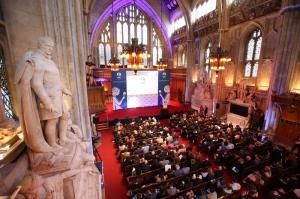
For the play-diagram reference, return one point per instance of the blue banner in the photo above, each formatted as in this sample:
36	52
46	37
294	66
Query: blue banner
119	89
163	88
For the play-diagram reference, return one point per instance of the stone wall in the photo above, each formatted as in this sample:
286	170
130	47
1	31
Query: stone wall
64	21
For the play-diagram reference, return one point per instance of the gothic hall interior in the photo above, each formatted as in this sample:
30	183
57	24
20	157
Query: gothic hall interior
149	99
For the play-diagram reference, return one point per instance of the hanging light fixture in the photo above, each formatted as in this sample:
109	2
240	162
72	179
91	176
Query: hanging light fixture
219	58
114	62
135	53
161	64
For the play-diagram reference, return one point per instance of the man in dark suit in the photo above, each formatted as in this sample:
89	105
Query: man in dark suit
205	111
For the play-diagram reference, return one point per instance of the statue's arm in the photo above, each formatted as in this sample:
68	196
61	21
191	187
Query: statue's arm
38	87
64	89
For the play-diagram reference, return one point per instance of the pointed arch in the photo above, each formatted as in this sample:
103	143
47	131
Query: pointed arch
144	6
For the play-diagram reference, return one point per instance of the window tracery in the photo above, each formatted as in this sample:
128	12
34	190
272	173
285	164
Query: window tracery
5	94
131	22
177	24
253	50
105	45
203	9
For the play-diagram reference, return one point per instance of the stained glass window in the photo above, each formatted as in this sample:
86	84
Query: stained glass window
177	24
154	55
101	54
5	94
206	58
125	33
130	23
253	53
104	46
203	9
157	48
145	33
119	51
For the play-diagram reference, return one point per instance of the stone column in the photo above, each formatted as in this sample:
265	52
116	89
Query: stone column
63	20
189	69
285	57
288	48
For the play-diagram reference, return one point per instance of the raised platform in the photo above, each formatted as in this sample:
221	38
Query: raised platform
110	115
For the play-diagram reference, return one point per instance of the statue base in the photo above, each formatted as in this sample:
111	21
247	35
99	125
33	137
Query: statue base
68	173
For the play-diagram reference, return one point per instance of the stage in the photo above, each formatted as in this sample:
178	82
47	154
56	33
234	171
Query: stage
111	115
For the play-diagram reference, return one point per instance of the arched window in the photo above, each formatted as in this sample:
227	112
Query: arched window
130	23
154	56
104	46
206	59
134	25
157	48
177	24
6	98
203	9
252	54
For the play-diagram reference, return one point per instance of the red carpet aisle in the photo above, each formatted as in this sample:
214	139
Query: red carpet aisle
115	187
113	179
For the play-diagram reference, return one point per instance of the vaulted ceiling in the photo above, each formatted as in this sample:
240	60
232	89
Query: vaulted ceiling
95	8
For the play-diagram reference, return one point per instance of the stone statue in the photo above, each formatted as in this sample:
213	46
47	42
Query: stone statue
90	66
35	186
207	91
41	98
232	95
60	167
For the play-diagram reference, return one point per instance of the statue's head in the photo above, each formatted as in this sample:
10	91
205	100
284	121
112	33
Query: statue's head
46	44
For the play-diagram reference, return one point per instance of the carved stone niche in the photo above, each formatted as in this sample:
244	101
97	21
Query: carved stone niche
59	165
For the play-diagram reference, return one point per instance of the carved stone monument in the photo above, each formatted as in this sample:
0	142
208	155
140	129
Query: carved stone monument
59	165
202	95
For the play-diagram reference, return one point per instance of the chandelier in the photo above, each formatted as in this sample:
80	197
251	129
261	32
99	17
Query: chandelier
161	65
114	62
219	58
135	54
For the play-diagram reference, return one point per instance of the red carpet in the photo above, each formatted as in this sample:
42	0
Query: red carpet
113	179
142	111
114	184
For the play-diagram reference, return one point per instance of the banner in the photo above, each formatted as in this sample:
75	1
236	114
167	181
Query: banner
164	88
119	90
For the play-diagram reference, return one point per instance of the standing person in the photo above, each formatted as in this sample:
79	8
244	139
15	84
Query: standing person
201	110
205	111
